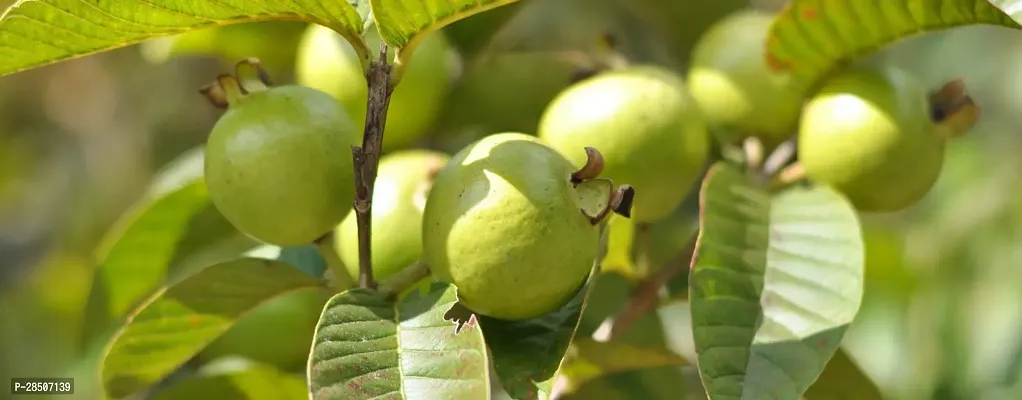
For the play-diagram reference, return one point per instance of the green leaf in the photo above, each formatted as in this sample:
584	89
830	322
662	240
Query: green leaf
182	318
777	280
403	22
472	35
619	247
40	32
172	231
588	359
368	347
843	380
255	383
813	38
527	354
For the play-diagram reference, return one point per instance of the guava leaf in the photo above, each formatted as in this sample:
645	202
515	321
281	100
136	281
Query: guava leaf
589	359
813	38
403	22
174	226
619	247
182	318
369	347
471	36
41	32
254	383
843	380
776	281
527	354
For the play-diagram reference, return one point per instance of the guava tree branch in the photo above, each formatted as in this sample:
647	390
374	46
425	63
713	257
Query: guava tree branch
644	297
367	160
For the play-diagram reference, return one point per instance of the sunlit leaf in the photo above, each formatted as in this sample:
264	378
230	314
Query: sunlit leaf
812	38
40	32
369	347
182	318
777	280
174	228
588	359
619	247
254	383
403	22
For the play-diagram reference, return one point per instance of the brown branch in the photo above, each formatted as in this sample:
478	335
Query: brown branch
644	297
367	160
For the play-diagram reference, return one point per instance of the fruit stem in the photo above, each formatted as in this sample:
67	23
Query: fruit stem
753	149
794	173
367	160
252	76
408	277
325	247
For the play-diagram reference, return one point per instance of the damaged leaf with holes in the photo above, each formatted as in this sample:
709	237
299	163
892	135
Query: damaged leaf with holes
367	347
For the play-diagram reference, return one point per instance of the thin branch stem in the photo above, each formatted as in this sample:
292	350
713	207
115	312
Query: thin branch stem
644	298
325	246
393	286
367	160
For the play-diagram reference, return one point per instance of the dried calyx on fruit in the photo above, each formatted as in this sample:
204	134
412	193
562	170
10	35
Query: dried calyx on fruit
878	135
278	163
647	126
515	226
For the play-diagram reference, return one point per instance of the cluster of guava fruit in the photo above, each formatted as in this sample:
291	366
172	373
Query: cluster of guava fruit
875	133
514	219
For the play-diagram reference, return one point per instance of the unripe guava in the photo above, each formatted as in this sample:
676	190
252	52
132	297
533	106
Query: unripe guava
737	92
503	224
399	197
647	126
278	164
326	61
868	133
278	332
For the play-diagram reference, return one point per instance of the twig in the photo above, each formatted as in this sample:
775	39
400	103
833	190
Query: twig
393	286
325	246
367	160
644	298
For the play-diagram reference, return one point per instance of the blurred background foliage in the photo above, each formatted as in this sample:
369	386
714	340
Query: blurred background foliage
942	316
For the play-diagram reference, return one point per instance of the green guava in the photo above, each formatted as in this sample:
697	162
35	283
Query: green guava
647	126
868	133
737	92
503	224
278	164
278	332
399	197
326	61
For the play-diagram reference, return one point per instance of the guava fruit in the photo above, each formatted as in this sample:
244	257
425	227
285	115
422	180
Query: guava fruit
503	224
278	164
326	61
399	197
736	91
868	132
278	332
647	126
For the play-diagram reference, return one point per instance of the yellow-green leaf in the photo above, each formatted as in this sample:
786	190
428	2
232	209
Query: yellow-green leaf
40	32
812	38
183	318
403	22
